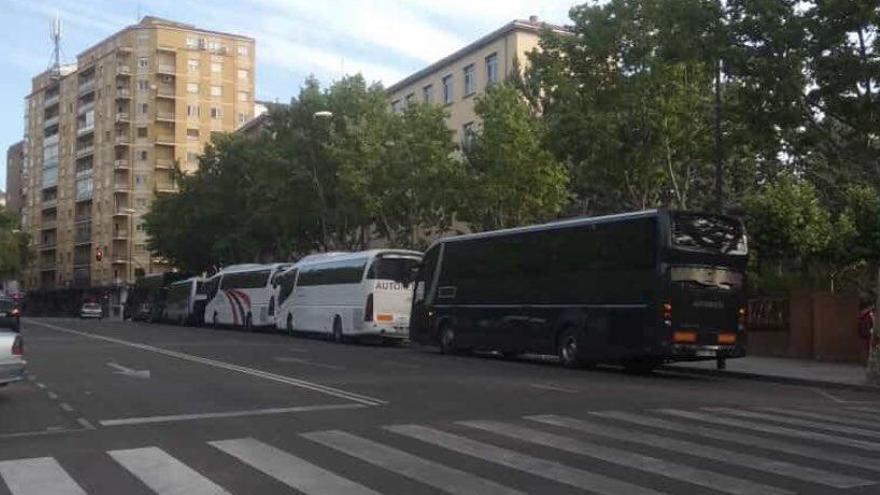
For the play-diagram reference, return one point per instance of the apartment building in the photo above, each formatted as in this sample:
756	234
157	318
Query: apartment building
14	165
103	138
457	79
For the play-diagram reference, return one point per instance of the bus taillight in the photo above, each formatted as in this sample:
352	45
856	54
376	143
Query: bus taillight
741	320
368	309
667	314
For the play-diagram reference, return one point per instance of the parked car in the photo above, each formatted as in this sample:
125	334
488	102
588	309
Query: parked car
10	315
12	361
91	310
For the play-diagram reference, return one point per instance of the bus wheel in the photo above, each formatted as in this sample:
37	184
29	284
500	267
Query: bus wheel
289	324
337	330
568	350
447	341
248	323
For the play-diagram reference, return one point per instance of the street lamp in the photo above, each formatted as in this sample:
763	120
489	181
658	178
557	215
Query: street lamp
323	114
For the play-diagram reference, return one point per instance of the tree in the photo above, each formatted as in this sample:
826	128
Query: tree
512	179
14	254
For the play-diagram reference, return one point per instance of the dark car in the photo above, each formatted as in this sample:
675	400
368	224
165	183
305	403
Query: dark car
10	315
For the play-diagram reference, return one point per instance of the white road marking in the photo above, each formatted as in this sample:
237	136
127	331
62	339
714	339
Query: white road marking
289	469
444	478
745	439
41	385
122	370
543	468
865	409
38	476
774	466
632	460
335	392
285	359
554	388
226	414
164	474
788	420
822	417
776	430
53	395
65	406
85	423
827	395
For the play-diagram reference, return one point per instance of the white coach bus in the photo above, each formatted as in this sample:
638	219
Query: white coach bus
346	295
185	301
240	295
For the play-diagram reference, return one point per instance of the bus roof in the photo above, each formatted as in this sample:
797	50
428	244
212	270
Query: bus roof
370	253
187	280
251	267
571	222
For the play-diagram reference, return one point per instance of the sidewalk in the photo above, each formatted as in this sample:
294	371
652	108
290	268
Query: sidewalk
785	370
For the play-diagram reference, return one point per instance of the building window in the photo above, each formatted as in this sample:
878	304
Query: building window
470	80
467	135
241	117
143	155
216	90
192	111
139	180
242	73
143	62
142	132
428	94
242	96
396	106
192	134
216	112
192	88
216	67
143	85
242	50
193	64
145	108
192	42
492	69
447	89
410	99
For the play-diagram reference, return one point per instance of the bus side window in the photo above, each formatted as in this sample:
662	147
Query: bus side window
426	274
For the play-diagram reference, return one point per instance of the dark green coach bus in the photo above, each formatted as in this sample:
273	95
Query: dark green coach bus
638	289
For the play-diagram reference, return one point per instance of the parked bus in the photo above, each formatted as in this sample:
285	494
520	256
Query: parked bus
637	289
348	295
146	297
185	301
239	295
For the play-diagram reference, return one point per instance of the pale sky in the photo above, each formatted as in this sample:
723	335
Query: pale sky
385	40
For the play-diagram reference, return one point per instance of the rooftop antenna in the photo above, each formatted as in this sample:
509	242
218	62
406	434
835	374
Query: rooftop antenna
55	64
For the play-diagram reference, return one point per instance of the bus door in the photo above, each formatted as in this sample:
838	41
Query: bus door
424	297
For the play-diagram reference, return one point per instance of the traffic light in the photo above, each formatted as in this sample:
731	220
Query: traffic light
99	254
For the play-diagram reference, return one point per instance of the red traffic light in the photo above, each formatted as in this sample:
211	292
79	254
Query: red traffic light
99	254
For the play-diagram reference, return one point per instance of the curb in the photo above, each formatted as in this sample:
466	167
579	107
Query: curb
744	375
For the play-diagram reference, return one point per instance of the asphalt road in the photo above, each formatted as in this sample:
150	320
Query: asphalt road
136	408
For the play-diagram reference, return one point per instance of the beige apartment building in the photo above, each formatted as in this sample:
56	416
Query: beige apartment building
103	137
457	79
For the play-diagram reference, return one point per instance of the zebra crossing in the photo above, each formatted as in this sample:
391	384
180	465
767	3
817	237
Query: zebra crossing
737	451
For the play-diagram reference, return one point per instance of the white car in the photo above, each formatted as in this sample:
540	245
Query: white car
11	357
91	310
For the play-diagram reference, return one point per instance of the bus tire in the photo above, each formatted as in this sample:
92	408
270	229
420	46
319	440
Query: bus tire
289	324
248	323
568	348
447	340
338	337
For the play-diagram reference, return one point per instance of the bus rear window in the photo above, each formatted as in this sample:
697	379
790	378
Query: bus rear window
392	268
708	233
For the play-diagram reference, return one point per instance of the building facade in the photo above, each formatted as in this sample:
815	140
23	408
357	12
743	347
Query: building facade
104	136
456	80
14	166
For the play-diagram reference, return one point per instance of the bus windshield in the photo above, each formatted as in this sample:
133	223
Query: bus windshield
391	267
708	233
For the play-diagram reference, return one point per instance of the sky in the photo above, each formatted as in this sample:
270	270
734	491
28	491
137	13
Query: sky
385	40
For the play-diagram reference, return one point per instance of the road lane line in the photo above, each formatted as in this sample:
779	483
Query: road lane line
554	388
400	365
38	476
749	461
821	417
226	414
806	451
627	459
53	395
85	423
163	473
554	471
442	477
41	385
788	420
776	430
65	406
335	392
285	359
289	469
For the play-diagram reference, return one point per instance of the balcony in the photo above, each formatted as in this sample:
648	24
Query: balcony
168	49
165	92
48	224
82	174
48	245
85	107
123	93
165	139
122	140
122	118
166	187
51	100
120	234
50	203
122	186
86	87
166	69
164	163
47	265
82	131
124	48
121	164
85	151
165	116
49	122
81	219
84	196
51	140
123	70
